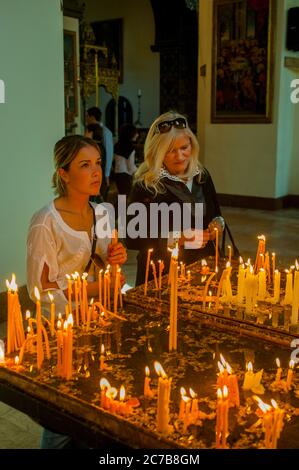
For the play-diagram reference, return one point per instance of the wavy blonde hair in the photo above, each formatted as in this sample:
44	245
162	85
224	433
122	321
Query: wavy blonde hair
157	145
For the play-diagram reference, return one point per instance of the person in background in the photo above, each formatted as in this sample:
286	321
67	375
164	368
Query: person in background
94	116
95	131
171	172
124	158
62	238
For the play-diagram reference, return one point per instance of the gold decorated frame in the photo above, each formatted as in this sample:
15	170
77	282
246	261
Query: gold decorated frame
242	61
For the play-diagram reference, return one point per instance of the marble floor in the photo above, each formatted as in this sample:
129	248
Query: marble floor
281	229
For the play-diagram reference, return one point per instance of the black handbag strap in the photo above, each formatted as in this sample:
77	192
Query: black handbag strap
94	241
236	252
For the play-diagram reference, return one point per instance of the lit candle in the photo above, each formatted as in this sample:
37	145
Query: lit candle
161	268
216	248
163	400
260	253
276	296
273	266
123	408
154	274
222	418
267	421
182	404
102	358
290	374
252	381
194	405
149	252
289	288
52	314
2	352
69	291
39	340
241	281
295	302
100	286
187	416
69	352
75	277
104	385
262	288
173	300
279	370
147	380
278	423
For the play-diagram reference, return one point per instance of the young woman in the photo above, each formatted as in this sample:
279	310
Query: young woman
61	235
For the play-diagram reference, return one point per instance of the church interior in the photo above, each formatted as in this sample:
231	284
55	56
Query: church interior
136	59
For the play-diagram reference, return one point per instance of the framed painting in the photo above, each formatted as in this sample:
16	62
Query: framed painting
109	33
70	75
242	61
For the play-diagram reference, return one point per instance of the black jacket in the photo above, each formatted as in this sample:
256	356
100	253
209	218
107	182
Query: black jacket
175	191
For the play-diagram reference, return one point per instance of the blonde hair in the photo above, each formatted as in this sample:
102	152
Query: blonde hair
65	151
157	145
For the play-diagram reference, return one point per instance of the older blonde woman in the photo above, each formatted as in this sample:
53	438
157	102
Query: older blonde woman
171	172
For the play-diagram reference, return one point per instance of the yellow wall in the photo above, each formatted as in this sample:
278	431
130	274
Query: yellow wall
31	120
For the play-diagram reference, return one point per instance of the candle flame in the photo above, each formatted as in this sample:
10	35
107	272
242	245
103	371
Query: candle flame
220	367
204	263
36	293
228	265
219	394
277	362
186	399
59	324
17	360
159	369
241	260
291	364
263	406
104	384
225	391
274	404
65	325
122	393
228	368
111	393
147	371
223	361
175	253
13	284
102	349
297	265
92	300
84	276
68	277
28	329
249	366
183	392
70	320
51	297
27	314
262	237
192	393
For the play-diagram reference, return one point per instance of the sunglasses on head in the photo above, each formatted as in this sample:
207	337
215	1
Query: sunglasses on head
165	126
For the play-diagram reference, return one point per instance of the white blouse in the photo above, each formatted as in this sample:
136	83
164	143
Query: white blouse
64	250
125	165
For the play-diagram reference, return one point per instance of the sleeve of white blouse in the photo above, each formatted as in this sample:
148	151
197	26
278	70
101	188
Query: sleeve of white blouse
41	250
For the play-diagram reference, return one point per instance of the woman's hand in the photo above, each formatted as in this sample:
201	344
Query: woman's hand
117	254
197	239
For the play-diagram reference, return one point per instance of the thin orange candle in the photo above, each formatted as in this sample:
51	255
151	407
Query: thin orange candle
52	314
279	371
182	403
39	341
163	399
147	380
149	252
102	357
290	374
69	291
